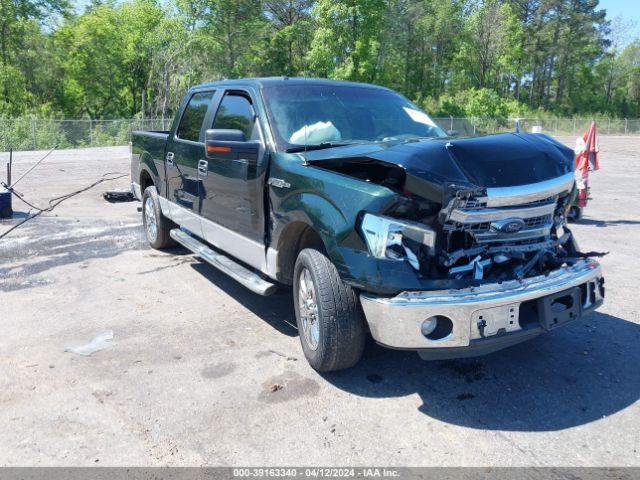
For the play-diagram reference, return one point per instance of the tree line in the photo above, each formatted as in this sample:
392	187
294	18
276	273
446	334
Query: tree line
482	58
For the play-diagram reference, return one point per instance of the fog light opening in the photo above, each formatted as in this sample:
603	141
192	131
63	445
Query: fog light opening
428	326
436	327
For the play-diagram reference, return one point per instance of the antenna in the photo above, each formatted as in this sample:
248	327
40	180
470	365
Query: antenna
304	160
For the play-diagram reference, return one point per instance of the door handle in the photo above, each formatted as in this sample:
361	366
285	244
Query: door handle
170	158
203	168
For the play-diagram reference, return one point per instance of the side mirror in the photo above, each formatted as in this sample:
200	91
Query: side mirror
453	133
225	135
228	144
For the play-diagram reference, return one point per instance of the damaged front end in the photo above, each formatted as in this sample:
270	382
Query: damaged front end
480	225
499	234
481	235
463	214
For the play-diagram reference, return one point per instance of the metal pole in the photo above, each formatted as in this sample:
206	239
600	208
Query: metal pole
90	132
34	166
9	166
626	121
33	131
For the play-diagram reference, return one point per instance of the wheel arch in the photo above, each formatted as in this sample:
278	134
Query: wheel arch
146	180
148	173
295	237
308	220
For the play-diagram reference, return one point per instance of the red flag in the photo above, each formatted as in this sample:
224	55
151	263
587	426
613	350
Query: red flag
586	159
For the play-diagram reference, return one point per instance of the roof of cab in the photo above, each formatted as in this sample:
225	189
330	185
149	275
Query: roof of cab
276	81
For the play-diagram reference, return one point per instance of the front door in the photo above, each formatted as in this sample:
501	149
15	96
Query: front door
185	149
233	207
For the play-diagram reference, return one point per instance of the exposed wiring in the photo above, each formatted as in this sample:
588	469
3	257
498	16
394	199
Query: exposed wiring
54	202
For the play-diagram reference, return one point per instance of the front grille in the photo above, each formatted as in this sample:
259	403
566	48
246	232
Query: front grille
544	201
538	221
475	220
471	203
481	203
532	222
477	228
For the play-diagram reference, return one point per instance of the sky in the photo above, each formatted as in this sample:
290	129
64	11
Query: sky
627	9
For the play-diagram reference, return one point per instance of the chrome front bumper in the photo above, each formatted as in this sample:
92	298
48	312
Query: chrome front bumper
396	321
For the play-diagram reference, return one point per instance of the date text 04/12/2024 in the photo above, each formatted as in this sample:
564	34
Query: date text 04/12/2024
364	472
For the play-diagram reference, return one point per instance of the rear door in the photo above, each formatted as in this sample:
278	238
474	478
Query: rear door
233	207
185	148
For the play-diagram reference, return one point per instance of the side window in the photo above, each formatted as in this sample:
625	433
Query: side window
193	116
236	113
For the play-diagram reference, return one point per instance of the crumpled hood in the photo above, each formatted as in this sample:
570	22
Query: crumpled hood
431	166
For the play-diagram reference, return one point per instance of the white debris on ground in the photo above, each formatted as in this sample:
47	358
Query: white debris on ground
101	341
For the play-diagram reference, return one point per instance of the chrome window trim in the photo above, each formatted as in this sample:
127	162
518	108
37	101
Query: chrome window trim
508	196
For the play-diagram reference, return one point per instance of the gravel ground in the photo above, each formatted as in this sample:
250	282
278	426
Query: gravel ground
188	378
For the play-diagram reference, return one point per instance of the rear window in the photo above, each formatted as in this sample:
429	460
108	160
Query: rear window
193	116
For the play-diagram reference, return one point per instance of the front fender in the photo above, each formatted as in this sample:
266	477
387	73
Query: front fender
317	212
330	204
344	246
331	209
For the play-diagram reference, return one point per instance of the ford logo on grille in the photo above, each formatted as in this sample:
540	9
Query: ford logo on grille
508	225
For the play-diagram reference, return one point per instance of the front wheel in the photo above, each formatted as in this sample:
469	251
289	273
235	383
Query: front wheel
330	324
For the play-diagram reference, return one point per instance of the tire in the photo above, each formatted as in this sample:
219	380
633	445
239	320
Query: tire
156	225
575	214
330	322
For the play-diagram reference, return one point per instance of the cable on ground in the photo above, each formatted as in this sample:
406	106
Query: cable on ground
54	202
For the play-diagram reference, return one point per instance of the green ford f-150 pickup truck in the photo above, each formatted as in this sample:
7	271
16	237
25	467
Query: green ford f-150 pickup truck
383	223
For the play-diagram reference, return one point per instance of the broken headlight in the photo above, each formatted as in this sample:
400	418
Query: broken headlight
395	239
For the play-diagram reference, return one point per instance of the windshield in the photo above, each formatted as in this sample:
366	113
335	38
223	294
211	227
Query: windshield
334	115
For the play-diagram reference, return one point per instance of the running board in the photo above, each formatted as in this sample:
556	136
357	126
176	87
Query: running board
241	274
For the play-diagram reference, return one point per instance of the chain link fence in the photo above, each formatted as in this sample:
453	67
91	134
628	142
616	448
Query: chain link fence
551	126
31	133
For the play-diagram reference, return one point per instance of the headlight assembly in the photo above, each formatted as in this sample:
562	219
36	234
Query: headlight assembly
395	239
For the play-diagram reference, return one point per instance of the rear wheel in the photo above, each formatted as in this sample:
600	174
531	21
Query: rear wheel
331	327
156	225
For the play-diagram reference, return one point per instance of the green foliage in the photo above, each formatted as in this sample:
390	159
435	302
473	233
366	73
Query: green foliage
14	86
460	58
346	41
106	58
30	133
484	103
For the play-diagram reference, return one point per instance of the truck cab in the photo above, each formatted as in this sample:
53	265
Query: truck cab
381	223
